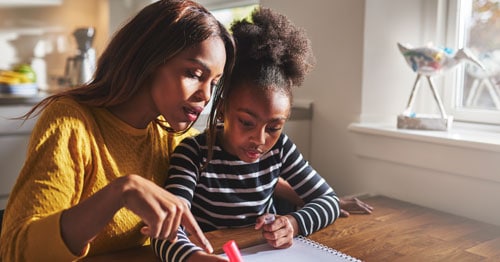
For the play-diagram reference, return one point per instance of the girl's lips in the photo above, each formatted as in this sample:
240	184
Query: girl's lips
253	154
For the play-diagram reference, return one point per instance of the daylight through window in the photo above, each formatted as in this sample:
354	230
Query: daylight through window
477	91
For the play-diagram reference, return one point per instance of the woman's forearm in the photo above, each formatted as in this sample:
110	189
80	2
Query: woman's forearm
81	223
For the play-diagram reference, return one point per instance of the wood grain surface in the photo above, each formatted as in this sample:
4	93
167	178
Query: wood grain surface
396	231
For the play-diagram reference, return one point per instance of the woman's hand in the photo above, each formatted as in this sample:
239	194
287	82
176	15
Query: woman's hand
161	211
353	205
280	232
201	256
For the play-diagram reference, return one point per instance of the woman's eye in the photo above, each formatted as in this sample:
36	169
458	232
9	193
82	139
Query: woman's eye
194	74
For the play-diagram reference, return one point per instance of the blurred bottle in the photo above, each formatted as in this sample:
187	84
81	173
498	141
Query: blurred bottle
80	68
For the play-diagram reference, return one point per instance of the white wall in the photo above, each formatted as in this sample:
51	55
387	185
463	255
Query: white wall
121	11
387	80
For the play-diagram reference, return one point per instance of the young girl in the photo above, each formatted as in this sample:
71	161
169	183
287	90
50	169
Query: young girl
92	181
231	183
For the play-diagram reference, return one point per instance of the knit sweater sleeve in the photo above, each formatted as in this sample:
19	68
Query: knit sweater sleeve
322	206
182	177
51	181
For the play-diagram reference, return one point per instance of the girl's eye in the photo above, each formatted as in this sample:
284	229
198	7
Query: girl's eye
245	123
274	129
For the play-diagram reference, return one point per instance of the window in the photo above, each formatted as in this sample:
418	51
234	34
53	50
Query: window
475	25
226	12
228	15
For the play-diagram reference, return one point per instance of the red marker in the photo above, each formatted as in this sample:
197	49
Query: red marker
232	251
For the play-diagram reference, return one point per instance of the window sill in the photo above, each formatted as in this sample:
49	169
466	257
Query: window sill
467	149
474	136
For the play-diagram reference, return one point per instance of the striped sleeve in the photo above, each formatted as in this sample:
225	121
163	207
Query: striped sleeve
174	251
181	182
322	206
184	169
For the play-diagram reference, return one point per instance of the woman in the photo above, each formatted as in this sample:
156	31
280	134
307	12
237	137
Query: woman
98	152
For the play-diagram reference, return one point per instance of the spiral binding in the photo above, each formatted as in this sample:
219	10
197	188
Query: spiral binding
327	249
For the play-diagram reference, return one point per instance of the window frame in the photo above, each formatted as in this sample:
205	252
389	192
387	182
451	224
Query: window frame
454	37
213	5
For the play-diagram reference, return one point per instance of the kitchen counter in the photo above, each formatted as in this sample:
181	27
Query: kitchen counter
14	138
9	100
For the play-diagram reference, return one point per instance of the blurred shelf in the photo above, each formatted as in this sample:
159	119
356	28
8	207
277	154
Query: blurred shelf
29	3
24	30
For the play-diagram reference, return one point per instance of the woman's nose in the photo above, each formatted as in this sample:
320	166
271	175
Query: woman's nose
204	92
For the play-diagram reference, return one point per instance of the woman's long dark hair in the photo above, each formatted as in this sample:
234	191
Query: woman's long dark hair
156	34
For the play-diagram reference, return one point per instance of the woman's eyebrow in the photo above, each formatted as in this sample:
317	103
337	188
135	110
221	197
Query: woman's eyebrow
201	63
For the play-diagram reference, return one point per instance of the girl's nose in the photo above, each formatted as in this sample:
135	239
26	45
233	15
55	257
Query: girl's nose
259	136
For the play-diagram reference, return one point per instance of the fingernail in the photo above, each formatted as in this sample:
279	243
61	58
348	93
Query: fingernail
208	246
269	218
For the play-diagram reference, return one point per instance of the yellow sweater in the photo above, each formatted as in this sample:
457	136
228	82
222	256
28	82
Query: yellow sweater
74	151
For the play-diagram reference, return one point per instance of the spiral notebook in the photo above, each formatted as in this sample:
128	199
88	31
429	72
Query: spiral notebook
303	249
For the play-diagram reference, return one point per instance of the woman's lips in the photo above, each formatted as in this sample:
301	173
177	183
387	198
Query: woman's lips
193	112
192	116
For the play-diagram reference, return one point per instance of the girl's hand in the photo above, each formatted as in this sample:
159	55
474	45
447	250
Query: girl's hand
353	205
201	256
280	232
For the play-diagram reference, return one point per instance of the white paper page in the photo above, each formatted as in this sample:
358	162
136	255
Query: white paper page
303	249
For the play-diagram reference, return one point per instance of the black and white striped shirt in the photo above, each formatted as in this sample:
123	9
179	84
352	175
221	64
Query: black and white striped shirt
232	193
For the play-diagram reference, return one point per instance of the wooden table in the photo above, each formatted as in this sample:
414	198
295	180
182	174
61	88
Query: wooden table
396	231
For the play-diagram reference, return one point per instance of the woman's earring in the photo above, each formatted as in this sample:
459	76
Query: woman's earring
220	117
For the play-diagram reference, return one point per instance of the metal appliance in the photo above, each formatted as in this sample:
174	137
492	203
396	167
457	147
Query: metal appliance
80	68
